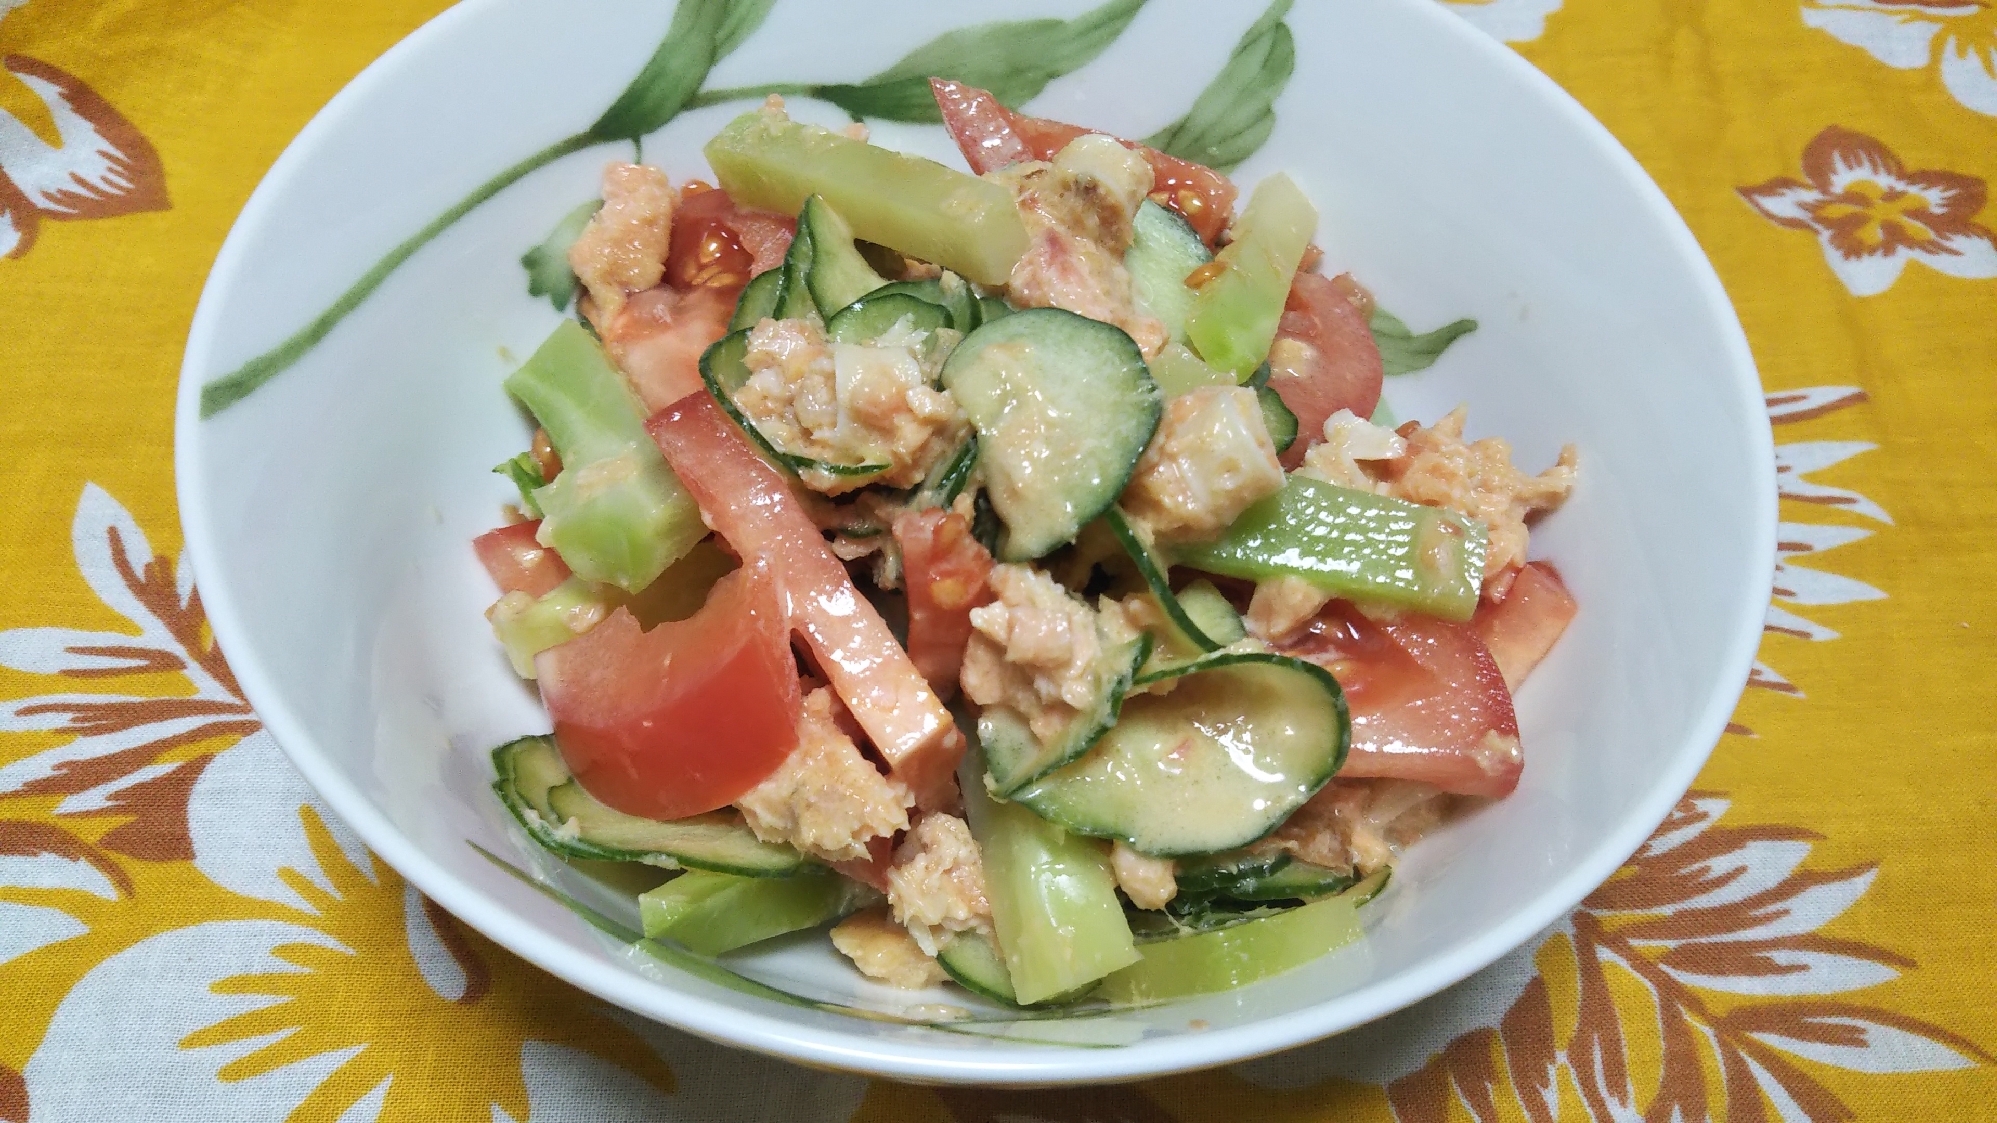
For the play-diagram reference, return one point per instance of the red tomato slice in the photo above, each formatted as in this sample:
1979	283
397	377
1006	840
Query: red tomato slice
945	572
1338	366
1523	627
657	339
1428	702
517	562
684	718
748	504
991	136
716	244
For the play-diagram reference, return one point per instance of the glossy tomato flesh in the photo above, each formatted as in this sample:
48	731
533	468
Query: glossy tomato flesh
1523	627
991	137
751	507
1428	702
684	718
518	562
945	571
657	339
716	244
1338	365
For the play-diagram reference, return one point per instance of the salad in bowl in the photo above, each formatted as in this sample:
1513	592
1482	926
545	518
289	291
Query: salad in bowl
1013	572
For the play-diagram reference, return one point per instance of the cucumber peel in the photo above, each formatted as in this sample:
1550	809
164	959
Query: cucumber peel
761	299
544	796
838	275
1156	571
1014	757
723	367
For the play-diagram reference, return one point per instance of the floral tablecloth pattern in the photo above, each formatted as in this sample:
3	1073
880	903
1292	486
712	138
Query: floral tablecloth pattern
186	933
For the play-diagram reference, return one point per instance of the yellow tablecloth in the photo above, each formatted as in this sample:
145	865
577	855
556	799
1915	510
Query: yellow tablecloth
1812	936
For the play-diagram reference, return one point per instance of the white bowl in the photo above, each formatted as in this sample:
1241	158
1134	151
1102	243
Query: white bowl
328	514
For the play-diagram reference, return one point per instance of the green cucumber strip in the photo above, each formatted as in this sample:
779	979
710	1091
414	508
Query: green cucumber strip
1281	423
712	913
838	275
947	480
1063	406
794	296
1156	571
538	788
1354	544
1163	250
965	311
1240	954
1178	371
875	314
616	513
974	961
1296	881
1214	616
992	308
525	472
917	206
1240	742
1235	314
724	369
1202	915
1217	875
528	626
929	289
1015	757
760	300
1053	896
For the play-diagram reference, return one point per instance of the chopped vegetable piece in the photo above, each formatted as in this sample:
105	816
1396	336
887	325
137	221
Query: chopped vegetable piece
686	717
907	203
525	473
538	788
712	913
839	275
1236	312
1324	358
754	511
1053	897
1523	627
518	562
1354	544
1163	251
944	572
1178	371
1155	570
1238	955
657	337
1428	701
759	301
1240	741
991	137
527	625
616	513
1210	612
1015	757
717	244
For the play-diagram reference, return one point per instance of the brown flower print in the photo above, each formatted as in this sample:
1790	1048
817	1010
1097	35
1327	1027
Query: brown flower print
1872	215
1709	939
101	167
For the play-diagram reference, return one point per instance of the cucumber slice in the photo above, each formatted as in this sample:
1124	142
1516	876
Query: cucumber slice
1063	406
916	206
1240	742
977	965
1053	896
947	480
538	788
1354	544
1163	250
1214	616
528	626
712	913
761	299
1217	875
1178	371
1156	572
1295	881
876	313
616	513
724	369
1235	313
1241	953
1282	424
965	312
794	297
1015	757
992	308
838	275
1148	927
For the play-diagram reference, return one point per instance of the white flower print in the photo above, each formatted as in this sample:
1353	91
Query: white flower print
1513	21
1958	38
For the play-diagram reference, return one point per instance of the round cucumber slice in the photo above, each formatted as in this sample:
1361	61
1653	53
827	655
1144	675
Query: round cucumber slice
1063	406
875	314
723	368
1240	742
761	299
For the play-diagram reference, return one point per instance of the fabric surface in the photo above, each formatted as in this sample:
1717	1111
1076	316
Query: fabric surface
185	934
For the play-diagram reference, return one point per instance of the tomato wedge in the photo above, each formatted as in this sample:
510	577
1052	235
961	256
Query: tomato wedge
518	562
749	505
1523	627
684	718
991	137
1336	364
657	339
945	571
1428	702
716	244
